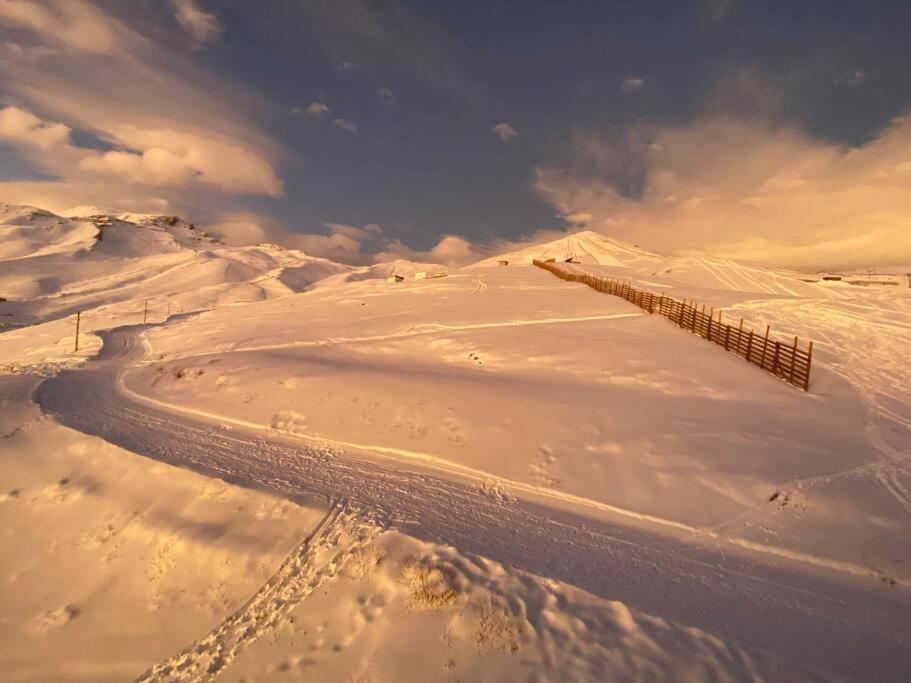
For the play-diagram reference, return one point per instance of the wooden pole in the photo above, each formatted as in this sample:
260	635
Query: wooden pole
78	319
793	361
708	334
765	344
806	381
145	313
750	346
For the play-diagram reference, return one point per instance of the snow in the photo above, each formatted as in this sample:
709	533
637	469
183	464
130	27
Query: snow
602	495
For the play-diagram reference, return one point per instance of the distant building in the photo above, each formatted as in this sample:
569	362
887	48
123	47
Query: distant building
503	262
394	278
420	276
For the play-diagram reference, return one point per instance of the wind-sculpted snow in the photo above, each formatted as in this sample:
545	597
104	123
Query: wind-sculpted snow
823	618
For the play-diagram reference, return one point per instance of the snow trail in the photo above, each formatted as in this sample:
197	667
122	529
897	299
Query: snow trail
317	559
767	602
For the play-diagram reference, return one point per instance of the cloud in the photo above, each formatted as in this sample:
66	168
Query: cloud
852	77
167	157
317	109
203	27
71	24
346	125
504	131
451	250
161	127
386	96
631	83
714	11
345	67
343	244
21	127
743	188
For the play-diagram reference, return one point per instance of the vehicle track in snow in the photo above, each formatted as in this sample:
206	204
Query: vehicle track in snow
838	624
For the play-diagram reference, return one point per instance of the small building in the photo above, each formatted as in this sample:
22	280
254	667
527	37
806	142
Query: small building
420	276
394	278
503	262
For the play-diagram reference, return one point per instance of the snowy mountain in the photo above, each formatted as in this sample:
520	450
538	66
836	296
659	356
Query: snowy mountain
87	257
627	261
588	473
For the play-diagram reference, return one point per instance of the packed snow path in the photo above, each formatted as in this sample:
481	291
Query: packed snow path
838	624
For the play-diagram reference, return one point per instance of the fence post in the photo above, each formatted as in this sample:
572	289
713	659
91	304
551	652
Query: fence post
708	333
775	360
693	329
765	344
750	347
793	361
806	381
78	318
727	336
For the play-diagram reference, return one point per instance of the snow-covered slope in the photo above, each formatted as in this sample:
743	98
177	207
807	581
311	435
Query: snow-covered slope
551	434
627	261
91	258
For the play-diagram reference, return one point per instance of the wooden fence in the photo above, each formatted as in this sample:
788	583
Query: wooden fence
784	359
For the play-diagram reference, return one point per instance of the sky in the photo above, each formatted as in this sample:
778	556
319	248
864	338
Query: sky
773	132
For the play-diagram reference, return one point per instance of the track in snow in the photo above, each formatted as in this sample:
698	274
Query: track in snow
306	568
835	624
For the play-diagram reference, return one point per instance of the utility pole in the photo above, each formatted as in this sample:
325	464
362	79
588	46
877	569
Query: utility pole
145	312
78	317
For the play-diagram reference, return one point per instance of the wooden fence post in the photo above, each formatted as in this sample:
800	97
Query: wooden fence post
750	347
727	336
806	381
765	344
78	318
708	334
793	361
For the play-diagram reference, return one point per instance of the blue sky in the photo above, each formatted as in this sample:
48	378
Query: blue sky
490	121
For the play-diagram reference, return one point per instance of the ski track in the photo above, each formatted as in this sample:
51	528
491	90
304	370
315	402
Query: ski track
414	331
879	372
837	624
316	560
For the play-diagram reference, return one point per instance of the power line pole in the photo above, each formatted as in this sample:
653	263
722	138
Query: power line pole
145	312
78	318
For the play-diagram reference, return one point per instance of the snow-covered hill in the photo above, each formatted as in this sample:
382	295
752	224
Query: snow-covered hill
626	261
546	435
91	258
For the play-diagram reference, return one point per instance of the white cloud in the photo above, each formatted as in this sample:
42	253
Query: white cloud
317	109
184	130
203	27
631	83
344	243
852	77
346	125
345	67
73	24
451	250
21	127
744	189
152	157
504	131
386	96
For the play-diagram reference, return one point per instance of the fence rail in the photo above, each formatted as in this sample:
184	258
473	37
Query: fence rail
784	359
